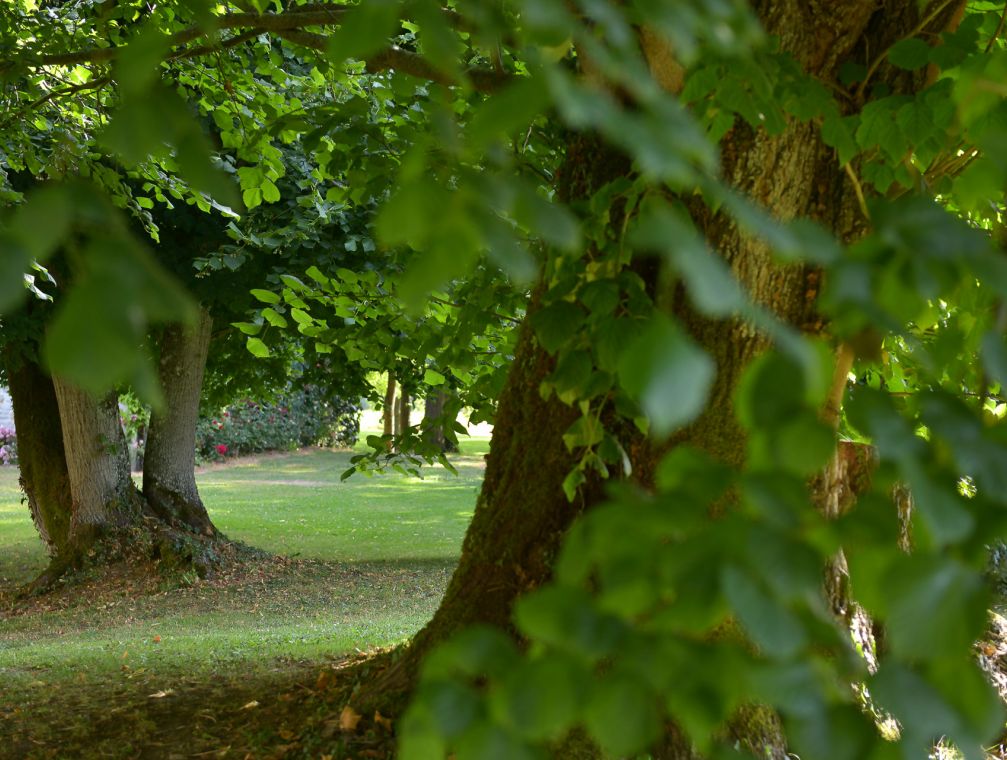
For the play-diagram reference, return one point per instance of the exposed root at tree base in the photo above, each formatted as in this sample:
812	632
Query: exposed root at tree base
166	553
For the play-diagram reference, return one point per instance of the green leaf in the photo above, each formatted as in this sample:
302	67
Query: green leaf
454	707
585	431
257	348
556	324
247	327
316	274
266	296
488	742
273	317
912	53
364	30
540	699
301	317
710	284
252	197
838	132
433	377
923	712
772	626
553	223
32	232
918	585
994	355
622	715
119	292
270	193
668	374
574	480
478	651
567	619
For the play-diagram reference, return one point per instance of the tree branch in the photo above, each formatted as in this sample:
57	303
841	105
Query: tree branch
482	80
52	95
290	25
196	52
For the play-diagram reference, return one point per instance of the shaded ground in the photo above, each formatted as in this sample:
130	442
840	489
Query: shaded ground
169	688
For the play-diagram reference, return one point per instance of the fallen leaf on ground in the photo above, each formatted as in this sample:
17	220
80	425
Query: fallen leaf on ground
161	694
381	720
324	679
157	639
348	719
250	705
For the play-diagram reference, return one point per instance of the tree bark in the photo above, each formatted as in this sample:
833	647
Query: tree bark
104	497
169	481
42	463
388	412
402	412
433	411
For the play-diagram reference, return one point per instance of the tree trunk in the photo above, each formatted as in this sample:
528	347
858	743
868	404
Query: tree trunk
402	412
104	497
388	412
169	481
433	411
522	512
44	476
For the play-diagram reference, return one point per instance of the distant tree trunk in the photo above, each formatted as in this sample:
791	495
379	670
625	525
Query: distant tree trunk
402	412
433	411
44	476
388	412
169	481
104	497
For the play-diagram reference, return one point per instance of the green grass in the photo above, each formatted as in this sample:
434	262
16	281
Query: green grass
373	556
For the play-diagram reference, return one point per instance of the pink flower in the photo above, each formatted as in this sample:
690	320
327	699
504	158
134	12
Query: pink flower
221	448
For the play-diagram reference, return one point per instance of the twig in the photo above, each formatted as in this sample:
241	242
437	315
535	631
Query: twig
859	190
52	94
872	69
213	48
999	30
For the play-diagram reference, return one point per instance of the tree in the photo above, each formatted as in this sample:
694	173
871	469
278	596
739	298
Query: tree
741	200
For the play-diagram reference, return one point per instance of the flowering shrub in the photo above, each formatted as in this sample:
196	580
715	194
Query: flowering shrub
8	446
305	417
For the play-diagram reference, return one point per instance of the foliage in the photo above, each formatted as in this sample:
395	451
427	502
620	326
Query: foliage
305	417
8	446
621	639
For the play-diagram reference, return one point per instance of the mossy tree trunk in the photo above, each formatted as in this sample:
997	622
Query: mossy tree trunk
169	481
44	476
105	500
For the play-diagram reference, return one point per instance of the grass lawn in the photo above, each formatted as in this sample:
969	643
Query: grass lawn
359	564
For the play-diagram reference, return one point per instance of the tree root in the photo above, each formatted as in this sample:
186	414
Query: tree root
172	552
